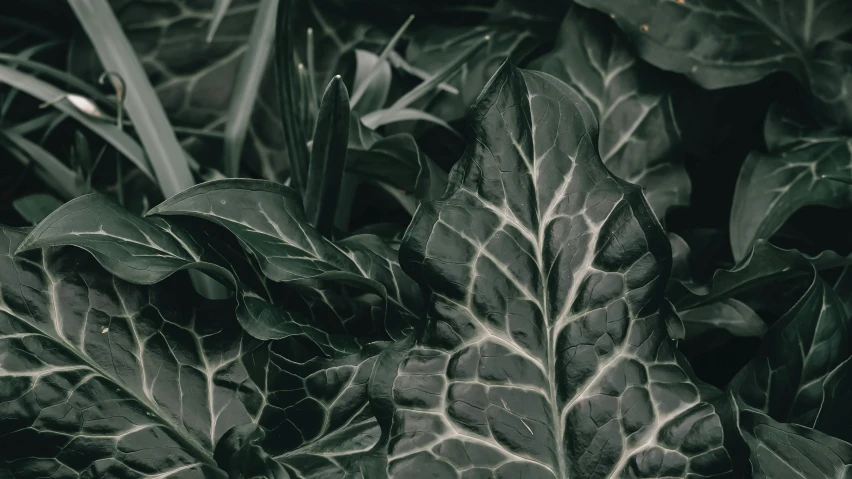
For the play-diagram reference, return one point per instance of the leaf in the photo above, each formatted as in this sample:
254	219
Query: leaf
317	427
109	378
117	380
269	223
767	264
52	171
372	82
287	79
167	158
59	99
792	376
433	47
728	314
545	353
788	450
380	118
640	136
744	41
328	157
247	85
774	185
399	162
36	207
126	245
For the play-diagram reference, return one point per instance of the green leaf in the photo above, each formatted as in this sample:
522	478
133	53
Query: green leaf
640	136
50	94
545	353
432	48
724	44
788	450
328	157
167	158
106	376
52	171
767	264
728	314
36	207
793	378
102	377
247	85
399	162
774	185
126	245
269	223
372	82
289	91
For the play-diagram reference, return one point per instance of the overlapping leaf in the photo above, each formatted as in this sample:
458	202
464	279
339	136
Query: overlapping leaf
774	185
545	354
722	44
105	378
640	136
800	374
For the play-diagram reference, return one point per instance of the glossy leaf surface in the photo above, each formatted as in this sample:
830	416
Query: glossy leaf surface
545	354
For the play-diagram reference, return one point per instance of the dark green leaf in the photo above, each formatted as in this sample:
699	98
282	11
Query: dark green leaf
328	157
722	44
289	93
774	185
728	314
35	208
399	162
434	47
767	264
269	223
793	377
787	450
372	80
545	352
640	137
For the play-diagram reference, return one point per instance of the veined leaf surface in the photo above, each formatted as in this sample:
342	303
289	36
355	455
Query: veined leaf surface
545	353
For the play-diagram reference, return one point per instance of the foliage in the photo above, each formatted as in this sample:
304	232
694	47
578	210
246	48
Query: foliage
365	239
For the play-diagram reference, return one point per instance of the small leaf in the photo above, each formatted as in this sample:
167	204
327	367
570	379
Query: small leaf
35	208
728	314
781	450
774	185
328	157
372	82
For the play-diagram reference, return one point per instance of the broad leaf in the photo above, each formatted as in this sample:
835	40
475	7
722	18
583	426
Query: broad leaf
328	157
794	376
105	378
545	353
774	185
639	134
373	76
787	450
722	44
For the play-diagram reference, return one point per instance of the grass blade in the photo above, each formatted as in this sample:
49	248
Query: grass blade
61	178
36	207
379	118
381	61
50	94
247	86
287	78
220	8
167	157
328	157
445	72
